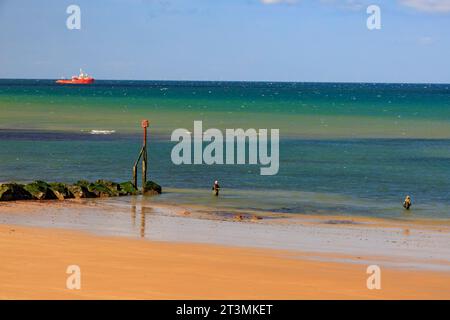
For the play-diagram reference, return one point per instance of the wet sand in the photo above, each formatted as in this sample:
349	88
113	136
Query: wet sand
169	252
34	262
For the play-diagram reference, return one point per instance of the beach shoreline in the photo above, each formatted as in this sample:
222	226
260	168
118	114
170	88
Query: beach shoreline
152	219
137	248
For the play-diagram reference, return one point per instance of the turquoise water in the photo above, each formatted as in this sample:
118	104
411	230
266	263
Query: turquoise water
345	148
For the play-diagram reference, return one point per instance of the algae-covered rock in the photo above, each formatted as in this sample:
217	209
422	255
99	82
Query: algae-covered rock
81	189
82	183
112	186
14	191
127	189
152	188
40	190
80	192
101	189
61	190
108	183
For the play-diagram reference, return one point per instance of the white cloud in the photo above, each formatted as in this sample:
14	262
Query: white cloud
431	6
428	5
342	4
278	1
353	5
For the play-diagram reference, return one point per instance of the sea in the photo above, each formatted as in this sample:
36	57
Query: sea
350	149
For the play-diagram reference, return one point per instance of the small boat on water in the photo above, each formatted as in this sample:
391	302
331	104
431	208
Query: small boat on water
82	78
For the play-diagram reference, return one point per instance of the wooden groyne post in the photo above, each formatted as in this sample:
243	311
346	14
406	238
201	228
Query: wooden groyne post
143	155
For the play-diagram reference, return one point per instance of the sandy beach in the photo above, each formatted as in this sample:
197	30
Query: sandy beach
177	254
114	268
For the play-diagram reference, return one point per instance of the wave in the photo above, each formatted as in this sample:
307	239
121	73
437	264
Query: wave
102	131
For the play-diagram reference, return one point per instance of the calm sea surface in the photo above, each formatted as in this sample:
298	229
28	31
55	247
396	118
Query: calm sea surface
354	149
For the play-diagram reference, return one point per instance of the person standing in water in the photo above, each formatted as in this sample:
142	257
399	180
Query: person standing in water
216	188
407	203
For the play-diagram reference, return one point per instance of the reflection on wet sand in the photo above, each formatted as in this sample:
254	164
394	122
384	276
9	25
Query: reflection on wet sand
133	212
144	210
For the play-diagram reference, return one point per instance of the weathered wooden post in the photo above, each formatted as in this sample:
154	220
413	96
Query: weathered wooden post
143	155
144	125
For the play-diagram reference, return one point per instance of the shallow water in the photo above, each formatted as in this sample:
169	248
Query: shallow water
141	217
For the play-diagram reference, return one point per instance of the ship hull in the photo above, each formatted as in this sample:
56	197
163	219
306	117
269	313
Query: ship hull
76	81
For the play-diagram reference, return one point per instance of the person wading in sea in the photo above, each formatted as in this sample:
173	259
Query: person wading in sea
407	203
216	188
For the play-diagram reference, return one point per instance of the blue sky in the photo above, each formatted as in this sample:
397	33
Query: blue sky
263	40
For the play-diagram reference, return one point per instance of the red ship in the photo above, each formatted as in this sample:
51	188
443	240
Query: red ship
82	78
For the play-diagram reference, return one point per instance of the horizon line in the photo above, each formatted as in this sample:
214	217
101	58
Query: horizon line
243	81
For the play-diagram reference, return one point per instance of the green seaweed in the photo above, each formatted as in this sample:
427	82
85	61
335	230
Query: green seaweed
127	188
152	188
40	190
61	190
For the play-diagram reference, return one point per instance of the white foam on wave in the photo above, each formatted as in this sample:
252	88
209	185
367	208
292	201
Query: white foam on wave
102	131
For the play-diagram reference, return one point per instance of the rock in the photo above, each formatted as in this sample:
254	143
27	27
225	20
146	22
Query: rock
61	190
82	183
110	184
80	192
115	188
81	189
13	191
152	188
103	189
92	190
40	190
127	188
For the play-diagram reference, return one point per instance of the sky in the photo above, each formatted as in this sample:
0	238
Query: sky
236	40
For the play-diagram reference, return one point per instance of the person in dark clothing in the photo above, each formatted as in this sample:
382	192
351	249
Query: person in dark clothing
216	188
